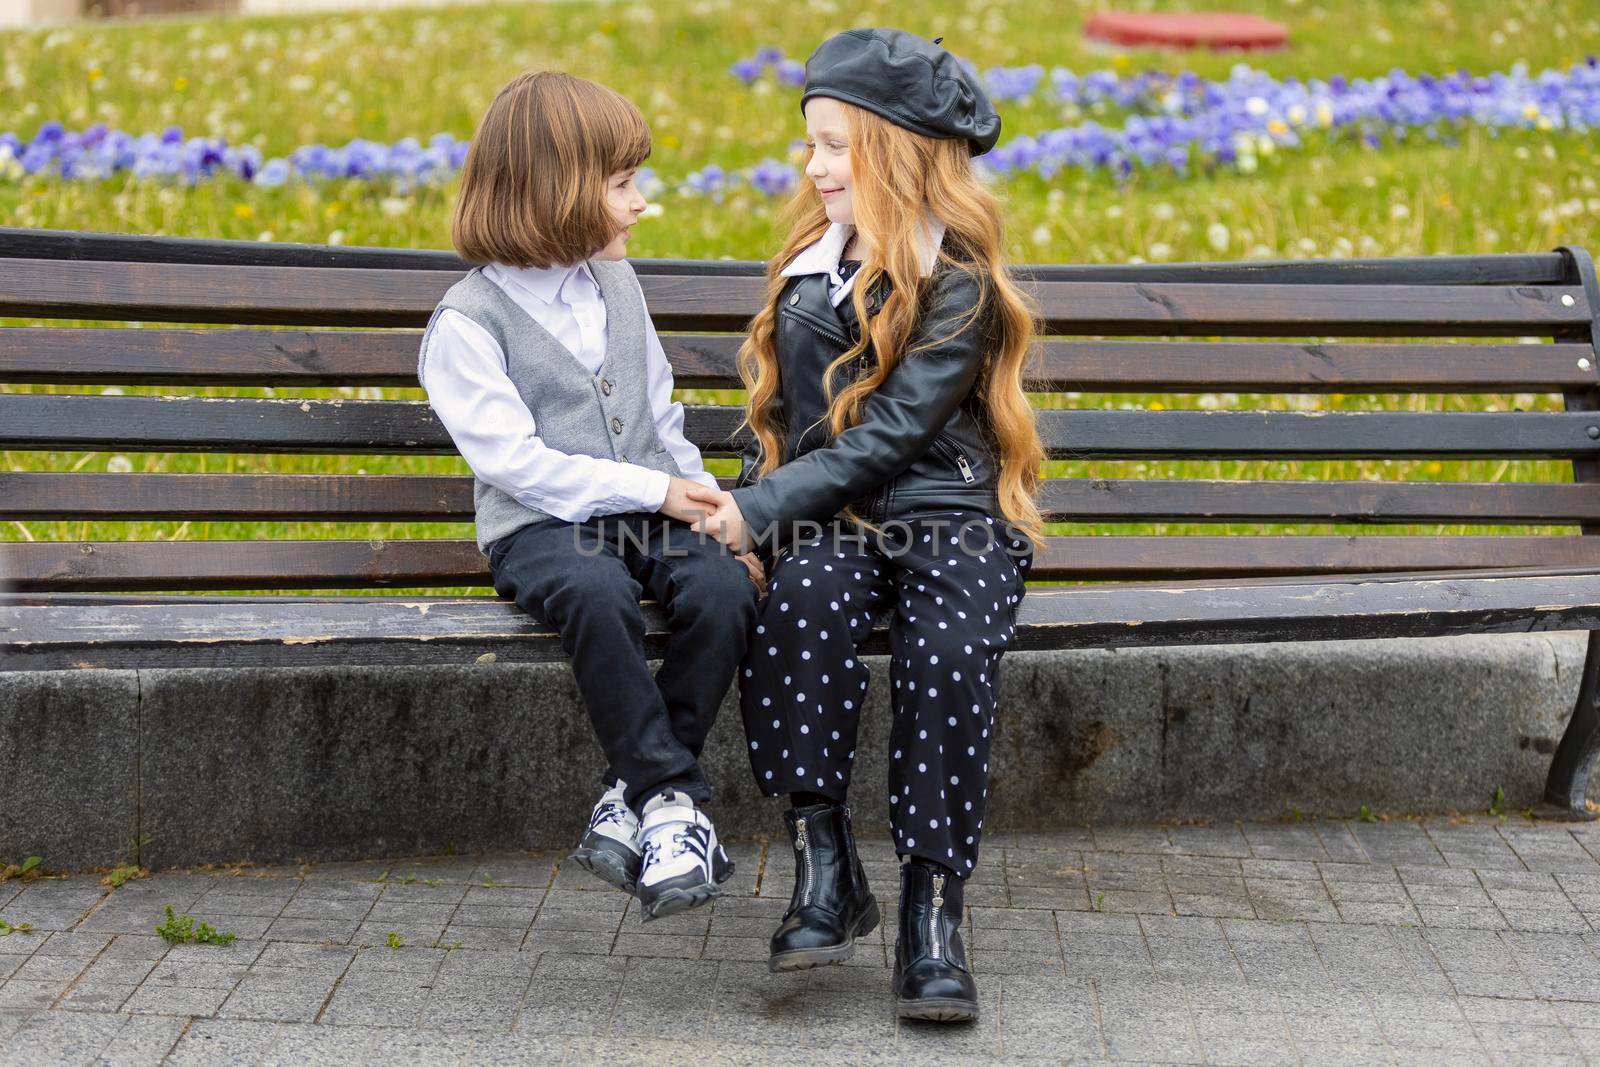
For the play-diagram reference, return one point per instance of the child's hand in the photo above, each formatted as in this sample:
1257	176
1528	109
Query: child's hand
726	524
688	500
758	573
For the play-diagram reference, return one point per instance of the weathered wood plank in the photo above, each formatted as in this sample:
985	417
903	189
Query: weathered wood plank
393	630
37	495
293	357
67	422
181	292
197	565
1516	268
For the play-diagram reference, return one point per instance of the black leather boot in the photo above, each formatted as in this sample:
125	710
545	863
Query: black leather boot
832	905
931	979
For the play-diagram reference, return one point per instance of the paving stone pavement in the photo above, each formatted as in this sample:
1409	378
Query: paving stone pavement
1438	941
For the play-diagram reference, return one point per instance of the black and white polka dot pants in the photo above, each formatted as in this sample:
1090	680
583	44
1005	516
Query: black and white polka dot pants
955	579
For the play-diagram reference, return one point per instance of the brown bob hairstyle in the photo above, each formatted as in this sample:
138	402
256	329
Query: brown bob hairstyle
534	184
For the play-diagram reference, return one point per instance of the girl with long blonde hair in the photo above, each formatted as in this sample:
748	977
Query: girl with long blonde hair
893	462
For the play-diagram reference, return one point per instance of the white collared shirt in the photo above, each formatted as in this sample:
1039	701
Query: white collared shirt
822	257
468	388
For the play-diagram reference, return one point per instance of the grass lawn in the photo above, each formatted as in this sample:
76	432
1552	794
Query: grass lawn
285	81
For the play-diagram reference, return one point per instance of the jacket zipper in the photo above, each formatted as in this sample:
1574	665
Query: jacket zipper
802	845
957	456
936	944
817	327
878	509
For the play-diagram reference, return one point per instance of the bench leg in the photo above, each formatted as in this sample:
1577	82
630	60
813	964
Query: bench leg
1565	789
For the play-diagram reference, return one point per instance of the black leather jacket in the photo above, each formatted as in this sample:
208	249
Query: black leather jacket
922	443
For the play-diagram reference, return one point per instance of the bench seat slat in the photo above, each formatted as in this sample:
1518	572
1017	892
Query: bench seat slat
44	495
36	599
332	564
179	292
68	422
386	630
251	357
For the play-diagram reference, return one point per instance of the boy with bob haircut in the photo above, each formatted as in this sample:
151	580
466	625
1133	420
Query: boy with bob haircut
544	366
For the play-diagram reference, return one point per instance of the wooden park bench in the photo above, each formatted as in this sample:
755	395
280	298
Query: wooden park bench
355	317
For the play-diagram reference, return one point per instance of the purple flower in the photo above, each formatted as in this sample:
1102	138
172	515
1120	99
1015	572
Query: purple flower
710	181
650	186
275	172
789	72
772	177
747	70
1013	83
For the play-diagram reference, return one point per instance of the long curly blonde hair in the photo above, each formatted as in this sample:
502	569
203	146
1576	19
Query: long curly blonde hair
897	177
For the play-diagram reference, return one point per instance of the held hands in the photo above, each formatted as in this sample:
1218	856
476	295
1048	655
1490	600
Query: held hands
713	510
707	510
758	573
688	500
726	524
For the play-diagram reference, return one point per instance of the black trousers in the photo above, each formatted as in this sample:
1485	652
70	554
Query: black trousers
955	580
585	581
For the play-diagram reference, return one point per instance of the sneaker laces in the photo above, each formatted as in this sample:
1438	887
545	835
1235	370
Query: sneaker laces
683	842
610	811
652	848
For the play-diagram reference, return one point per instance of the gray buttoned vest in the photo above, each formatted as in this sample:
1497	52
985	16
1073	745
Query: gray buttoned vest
606	415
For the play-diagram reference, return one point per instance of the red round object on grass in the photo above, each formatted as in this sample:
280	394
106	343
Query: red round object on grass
1204	30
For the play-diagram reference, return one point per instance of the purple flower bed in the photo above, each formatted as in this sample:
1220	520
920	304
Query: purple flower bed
1180	122
97	153
788	72
1184	122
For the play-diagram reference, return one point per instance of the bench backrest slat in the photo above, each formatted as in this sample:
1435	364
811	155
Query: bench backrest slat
67	422
294	296
38	495
1500	268
307	358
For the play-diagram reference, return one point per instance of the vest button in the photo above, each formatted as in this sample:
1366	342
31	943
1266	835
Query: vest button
605	386
616	424
795	299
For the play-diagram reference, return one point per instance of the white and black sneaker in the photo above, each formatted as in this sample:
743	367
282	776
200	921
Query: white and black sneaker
609	849
683	863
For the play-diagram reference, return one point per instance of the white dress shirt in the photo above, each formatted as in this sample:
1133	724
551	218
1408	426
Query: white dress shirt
823	255
467	385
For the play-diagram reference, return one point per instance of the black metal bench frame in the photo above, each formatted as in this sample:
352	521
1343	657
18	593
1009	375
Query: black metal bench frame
112	604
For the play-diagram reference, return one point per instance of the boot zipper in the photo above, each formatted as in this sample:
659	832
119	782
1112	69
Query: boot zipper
802	845
936	945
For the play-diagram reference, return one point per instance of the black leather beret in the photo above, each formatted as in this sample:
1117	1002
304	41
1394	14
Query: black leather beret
906	79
